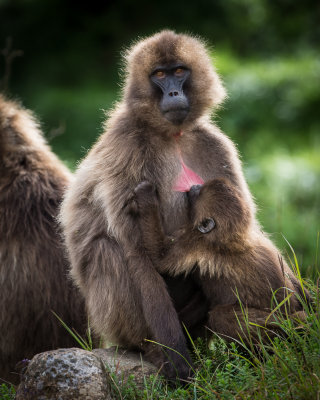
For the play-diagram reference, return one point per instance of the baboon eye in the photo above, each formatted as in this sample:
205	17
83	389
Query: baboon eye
179	71
160	74
206	225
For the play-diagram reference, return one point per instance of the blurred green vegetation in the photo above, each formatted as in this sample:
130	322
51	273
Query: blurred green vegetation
273	115
266	52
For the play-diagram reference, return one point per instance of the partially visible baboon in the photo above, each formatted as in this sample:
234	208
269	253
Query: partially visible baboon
234	265
170	90
33	266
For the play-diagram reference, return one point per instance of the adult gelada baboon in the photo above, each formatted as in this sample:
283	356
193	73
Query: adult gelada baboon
235	267
160	132
33	266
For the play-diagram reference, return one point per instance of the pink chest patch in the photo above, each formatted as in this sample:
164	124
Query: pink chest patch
186	178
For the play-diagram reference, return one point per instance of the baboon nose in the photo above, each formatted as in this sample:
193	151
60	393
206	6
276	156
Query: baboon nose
171	94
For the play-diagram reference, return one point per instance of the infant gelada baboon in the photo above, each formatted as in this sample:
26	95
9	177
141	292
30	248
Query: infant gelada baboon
233	264
33	266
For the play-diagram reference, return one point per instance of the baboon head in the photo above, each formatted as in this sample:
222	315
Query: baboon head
22	145
171	81
218	213
20	138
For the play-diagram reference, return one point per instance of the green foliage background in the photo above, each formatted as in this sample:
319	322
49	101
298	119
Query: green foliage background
266	52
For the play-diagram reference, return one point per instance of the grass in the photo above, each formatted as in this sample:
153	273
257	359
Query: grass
278	369
7	392
285	366
84	343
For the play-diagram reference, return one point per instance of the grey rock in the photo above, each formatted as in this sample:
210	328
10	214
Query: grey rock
76	374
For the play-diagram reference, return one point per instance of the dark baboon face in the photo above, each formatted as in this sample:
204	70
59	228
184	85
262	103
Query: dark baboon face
170	81
218	212
166	85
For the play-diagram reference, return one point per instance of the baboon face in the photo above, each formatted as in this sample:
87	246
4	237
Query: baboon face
166	84
170	81
217	211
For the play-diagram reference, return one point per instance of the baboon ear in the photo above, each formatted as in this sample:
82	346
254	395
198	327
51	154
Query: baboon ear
206	225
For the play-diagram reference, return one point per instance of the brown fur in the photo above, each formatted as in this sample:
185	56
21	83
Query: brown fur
33	277
127	299
233	261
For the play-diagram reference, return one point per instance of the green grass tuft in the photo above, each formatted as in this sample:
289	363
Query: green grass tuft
7	392
286	365
85	344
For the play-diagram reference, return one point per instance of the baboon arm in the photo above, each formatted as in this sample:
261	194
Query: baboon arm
221	156
160	315
154	239
157	244
163	250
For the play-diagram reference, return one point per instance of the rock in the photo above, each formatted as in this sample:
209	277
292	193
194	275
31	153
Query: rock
78	374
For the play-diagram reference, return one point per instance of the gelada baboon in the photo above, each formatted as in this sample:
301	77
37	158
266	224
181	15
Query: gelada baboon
33	266
233	264
161	123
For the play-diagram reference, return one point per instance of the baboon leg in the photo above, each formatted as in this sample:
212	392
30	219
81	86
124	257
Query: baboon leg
231	322
111	297
128	301
161	319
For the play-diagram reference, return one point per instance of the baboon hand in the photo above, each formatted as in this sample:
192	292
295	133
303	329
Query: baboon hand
177	368
145	195
173	364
